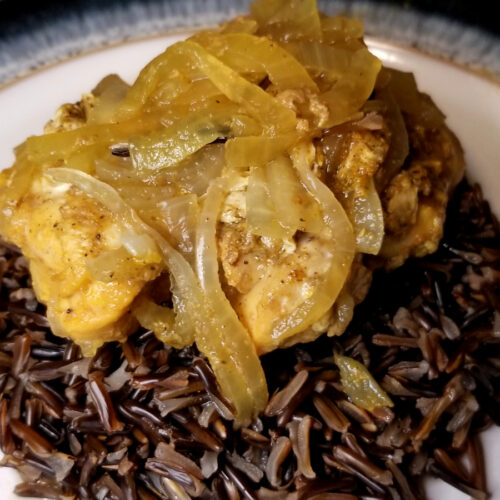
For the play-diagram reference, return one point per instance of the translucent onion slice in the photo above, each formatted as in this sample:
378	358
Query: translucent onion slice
295	209
168	67
296	18
116	170
240	25
166	148
403	88
176	219
141	246
118	265
15	182
248	53
84	157
351	76
271	114
399	145
349	93
340	28
245	64
262	218
140	196
162	321
49	149
226	343
195	173
190	97
189	294
360	385
257	150
367	217
331	61
338	230
109	94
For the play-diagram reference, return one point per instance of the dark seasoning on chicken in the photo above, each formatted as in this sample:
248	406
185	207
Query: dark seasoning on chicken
201	239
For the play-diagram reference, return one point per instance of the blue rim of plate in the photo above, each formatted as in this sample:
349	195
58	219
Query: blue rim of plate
64	33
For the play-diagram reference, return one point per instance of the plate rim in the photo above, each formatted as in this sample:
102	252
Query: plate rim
74	30
383	42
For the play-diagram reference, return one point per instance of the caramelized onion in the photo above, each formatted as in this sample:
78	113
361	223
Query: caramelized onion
246	53
227	344
338	232
360	385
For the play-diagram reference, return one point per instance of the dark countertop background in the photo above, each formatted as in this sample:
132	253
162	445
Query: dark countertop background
477	13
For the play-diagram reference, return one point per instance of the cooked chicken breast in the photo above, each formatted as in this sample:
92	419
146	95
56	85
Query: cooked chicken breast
415	199
62	232
67	235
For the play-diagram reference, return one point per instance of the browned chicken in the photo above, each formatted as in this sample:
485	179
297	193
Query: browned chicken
268	278
396	206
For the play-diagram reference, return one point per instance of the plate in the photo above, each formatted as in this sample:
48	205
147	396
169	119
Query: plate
471	103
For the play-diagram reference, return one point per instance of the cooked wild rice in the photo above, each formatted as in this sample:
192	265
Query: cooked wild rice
142	420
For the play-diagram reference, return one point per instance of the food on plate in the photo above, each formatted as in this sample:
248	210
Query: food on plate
144	420
237	196
198	240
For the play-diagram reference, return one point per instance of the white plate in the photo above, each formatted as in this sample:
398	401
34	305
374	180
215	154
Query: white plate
471	103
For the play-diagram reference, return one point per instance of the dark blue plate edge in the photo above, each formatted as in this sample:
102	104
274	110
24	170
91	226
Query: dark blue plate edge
46	39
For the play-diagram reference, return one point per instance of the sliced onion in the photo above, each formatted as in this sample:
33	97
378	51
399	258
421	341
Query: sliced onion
367	218
116	170
359	384
185	281
257	150
295	209
109	93
259	104
166	148
399	145
143	197
403	88
148	80
350	76
141	246
340	28
46	150
195	173
190	98
163	322
248	53
261	214
117	265
139	191
176	218
226	343
296	18
240	25
338	230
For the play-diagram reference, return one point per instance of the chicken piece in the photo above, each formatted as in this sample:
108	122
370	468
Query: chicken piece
266	279
359	155
64	232
415	199
61	230
306	105
71	116
352	158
